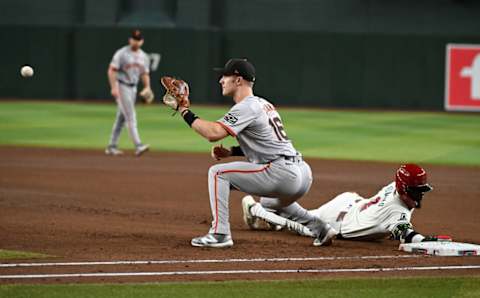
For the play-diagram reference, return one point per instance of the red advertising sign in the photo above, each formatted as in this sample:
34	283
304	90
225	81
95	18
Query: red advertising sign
462	78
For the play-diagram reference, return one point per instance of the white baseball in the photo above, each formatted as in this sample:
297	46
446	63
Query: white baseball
26	71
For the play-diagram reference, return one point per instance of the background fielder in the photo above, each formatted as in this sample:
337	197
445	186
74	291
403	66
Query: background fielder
388	213
128	65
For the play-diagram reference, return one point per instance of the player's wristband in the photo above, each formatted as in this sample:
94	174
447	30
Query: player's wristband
189	117
236	151
410	237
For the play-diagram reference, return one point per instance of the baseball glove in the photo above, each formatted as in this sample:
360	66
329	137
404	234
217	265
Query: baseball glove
445	238
147	95
177	92
218	152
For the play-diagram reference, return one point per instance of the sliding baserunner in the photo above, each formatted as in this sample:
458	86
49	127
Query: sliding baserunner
386	214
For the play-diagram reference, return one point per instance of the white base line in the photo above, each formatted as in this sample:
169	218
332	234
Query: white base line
339	270
5	265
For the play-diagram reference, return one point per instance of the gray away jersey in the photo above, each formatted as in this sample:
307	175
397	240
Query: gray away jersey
130	65
258	129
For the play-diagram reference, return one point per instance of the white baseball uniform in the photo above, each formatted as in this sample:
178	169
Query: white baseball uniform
130	65
382	215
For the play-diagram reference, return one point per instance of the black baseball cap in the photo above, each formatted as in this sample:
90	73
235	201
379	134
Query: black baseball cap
239	67
137	35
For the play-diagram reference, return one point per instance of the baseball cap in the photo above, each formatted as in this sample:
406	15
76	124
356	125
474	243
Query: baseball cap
137	35
239	67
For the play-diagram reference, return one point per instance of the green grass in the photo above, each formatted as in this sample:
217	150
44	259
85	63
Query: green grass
12	255
438	138
373	287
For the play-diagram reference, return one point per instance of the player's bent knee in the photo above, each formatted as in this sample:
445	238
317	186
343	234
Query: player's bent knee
217	171
214	170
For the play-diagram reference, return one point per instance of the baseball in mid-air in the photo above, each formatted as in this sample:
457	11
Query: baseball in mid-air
26	71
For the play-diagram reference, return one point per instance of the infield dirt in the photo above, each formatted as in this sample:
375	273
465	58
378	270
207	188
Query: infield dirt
82	205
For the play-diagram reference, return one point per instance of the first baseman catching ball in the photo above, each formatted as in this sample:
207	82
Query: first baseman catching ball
388	213
274	169
128	65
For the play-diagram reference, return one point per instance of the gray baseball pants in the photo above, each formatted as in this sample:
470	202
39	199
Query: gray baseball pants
281	182
126	115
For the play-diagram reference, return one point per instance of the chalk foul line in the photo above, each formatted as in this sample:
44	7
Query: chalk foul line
157	262
169	273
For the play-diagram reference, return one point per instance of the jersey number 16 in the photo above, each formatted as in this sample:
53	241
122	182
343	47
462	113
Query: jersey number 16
277	126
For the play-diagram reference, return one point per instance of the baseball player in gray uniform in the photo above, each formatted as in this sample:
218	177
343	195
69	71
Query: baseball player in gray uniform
273	169
387	214
128	65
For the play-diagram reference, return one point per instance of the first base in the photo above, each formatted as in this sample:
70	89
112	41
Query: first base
442	248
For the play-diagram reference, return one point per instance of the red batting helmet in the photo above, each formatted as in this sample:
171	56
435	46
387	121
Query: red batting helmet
411	180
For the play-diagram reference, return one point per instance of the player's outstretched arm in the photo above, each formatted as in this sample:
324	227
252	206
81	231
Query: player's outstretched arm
406	234
177	97
211	131
411	236
414	237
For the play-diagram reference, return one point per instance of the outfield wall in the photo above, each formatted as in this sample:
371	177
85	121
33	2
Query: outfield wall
348	54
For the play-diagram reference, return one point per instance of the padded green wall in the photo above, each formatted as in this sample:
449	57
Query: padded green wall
307	68
347	70
48	50
184	53
352	53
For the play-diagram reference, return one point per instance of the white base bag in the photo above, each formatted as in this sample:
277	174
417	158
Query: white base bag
442	248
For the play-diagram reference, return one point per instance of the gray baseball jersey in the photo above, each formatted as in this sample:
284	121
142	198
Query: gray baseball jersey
265	139
274	168
130	65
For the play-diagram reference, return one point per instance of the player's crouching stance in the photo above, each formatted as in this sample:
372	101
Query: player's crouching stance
388	213
273	170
